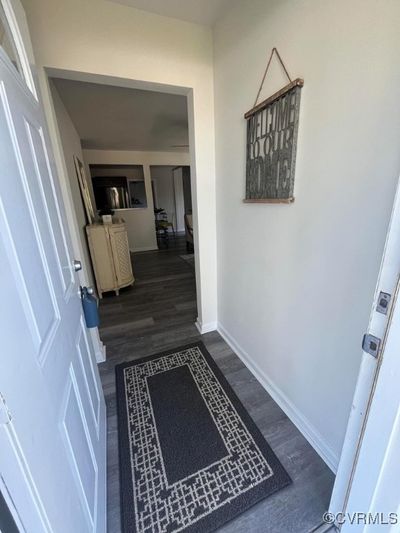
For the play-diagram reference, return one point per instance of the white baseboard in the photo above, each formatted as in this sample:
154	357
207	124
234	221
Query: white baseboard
205	328
101	354
303	425
98	345
143	249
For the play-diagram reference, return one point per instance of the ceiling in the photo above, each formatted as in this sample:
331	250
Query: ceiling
199	11
118	118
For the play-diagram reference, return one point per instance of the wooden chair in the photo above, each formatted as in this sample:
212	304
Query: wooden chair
162	227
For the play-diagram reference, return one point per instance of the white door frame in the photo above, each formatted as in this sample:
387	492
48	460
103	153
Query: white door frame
201	288
370	367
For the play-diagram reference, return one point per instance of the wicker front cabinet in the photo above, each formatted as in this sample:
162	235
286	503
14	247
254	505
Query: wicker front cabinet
109	250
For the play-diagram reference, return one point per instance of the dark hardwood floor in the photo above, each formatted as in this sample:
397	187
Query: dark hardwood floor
158	313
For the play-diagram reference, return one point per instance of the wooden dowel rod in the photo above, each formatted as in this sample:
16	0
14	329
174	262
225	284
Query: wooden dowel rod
269	200
298	82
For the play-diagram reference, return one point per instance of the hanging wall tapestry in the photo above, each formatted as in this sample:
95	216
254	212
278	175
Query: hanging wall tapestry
271	143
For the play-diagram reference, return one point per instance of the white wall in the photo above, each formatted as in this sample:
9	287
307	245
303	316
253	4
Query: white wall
71	146
135	48
305	273
140	222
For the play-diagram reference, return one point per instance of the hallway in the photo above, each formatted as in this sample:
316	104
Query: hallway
158	313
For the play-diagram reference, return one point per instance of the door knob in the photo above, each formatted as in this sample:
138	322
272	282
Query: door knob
88	290
77	265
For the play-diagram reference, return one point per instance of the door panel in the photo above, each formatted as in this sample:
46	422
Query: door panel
11	258
25	240
52	456
88	376
14	469
78	447
49	203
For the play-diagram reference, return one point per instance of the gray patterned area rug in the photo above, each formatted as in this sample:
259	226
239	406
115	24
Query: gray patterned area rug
191	458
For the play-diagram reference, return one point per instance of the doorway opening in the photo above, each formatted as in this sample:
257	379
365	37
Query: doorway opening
127	154
157	312
118	186
173	206
131	143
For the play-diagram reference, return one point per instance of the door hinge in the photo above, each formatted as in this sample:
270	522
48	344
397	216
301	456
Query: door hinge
371	344
382	305
5	415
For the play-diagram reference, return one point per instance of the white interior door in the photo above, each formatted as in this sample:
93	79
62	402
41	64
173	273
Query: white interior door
52	411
